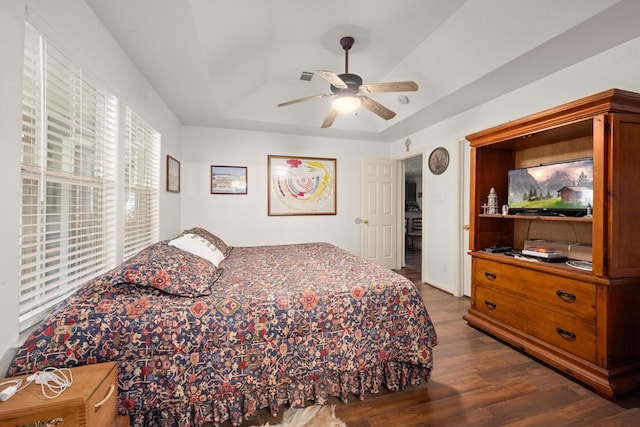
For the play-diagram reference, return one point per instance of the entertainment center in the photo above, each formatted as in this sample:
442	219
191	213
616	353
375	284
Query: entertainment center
581	316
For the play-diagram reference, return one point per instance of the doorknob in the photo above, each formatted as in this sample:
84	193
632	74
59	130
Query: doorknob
465	227
366	221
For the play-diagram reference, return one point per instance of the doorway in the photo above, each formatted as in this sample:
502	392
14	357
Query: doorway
413	207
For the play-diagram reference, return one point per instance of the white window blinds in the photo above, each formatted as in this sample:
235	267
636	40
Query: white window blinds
142	188
69	130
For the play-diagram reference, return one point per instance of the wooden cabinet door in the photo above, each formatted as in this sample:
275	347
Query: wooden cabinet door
623	176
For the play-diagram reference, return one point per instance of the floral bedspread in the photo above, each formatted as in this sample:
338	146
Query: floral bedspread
282	325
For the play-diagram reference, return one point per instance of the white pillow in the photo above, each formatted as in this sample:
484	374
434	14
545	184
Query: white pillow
198	246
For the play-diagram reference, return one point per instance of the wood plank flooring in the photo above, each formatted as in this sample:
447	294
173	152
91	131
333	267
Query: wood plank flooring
480	381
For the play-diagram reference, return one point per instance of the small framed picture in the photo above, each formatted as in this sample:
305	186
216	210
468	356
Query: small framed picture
228	179
173	175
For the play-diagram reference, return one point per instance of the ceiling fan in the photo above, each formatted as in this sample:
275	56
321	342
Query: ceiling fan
349	92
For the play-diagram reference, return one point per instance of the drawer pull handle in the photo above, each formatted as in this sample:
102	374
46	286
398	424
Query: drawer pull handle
566	296
490	305
568	335
490	276
112	387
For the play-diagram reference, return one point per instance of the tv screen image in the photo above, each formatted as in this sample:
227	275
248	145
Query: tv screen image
560	187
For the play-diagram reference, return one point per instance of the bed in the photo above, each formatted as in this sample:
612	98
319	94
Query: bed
269	326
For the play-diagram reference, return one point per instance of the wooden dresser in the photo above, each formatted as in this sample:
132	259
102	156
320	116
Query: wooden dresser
90	401
584	323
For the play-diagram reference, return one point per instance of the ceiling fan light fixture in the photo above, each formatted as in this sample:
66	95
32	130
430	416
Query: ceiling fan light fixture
346	103
349	93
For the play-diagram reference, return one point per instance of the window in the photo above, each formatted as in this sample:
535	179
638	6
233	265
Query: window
69	132
142	189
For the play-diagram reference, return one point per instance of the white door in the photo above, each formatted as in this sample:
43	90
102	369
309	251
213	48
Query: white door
378	210
466	182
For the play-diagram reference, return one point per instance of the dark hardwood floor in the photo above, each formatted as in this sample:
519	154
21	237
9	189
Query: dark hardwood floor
480	381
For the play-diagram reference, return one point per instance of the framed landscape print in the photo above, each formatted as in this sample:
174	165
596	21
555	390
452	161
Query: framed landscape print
301	185
228	179
173	175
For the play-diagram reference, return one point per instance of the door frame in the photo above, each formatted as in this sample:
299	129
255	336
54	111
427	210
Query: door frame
463	272
400	237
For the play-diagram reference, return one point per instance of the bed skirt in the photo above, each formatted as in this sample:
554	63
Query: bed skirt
296	394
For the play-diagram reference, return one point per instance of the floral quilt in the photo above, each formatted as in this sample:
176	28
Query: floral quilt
279	325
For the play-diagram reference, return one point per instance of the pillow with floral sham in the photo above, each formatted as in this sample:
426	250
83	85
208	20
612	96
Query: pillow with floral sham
147	250
217	242
170	270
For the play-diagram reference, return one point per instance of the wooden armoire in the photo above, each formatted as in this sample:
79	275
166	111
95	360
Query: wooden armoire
583	322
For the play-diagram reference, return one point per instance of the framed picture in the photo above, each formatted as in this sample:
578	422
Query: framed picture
228	179
173	175
301	186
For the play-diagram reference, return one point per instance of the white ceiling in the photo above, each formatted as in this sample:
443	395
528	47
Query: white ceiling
221	63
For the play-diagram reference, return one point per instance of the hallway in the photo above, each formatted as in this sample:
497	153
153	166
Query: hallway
413	267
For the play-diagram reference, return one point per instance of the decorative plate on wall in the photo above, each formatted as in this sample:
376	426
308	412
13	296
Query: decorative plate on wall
438	160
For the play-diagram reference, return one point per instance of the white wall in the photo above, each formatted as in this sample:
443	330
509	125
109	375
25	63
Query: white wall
11	52
242	220
73	27
617	68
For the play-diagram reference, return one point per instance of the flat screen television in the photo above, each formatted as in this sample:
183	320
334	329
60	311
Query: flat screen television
561	188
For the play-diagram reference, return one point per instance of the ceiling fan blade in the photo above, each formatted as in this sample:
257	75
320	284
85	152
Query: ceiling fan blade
331	116
407	86
377	108
307	98
332	78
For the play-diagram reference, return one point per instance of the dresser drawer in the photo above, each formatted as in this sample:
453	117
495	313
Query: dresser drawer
102	404
571	297
568	333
